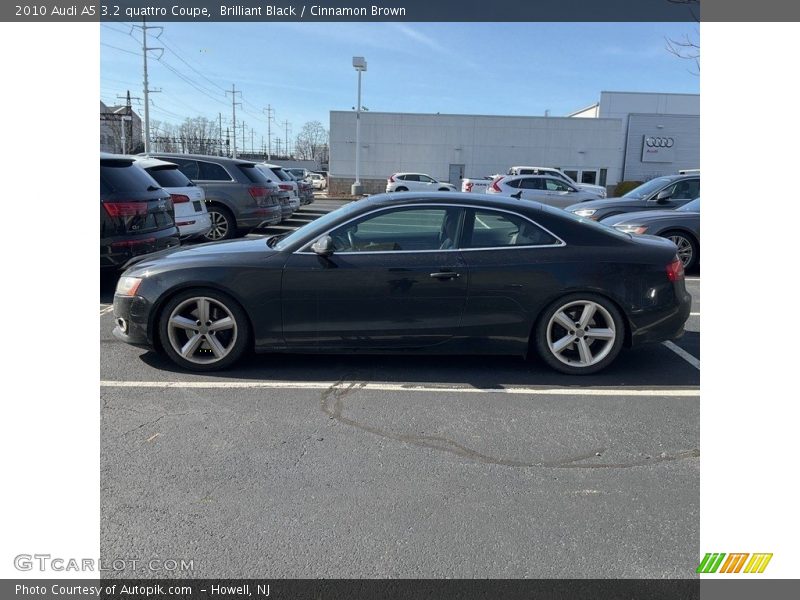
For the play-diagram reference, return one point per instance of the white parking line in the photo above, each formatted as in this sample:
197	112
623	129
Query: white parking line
697	314
683	354
399	387
105	309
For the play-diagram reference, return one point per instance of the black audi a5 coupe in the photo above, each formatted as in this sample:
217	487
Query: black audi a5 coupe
428	273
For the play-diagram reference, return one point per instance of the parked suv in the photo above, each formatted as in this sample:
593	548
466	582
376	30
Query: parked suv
598	190
136	214
188	199
416	182
547	190
289	192
239	197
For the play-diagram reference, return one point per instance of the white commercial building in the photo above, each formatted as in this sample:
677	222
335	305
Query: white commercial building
625	136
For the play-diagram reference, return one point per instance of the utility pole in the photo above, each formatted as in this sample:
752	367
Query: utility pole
286	137
220	134
252	133
233	93
145	49
244	140
269	110
278	146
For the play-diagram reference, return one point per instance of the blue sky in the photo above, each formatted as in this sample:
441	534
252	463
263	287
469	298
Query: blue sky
304	69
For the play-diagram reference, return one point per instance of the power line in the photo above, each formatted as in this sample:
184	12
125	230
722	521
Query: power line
118	48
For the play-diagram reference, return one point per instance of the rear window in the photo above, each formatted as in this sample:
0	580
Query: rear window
120	176
253	175
281	174
169	177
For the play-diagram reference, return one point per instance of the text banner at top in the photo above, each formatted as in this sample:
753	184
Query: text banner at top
403	10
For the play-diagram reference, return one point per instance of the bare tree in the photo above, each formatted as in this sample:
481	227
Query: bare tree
312	142
688	47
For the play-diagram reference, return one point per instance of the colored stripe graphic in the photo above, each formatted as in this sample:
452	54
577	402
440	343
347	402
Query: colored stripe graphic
733	561
710	562
758	563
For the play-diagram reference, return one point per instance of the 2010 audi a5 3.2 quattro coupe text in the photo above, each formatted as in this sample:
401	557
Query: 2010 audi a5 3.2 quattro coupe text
426	273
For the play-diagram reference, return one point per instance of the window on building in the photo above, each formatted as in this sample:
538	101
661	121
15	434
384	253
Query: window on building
589	177
571	174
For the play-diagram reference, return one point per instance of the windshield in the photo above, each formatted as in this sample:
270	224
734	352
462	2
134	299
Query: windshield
317	227
693	206
647	188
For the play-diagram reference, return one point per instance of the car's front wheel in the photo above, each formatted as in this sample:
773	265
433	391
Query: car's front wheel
688	248
203	330
580	334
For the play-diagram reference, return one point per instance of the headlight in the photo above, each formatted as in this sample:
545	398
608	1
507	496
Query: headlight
585	212
127	286
626	228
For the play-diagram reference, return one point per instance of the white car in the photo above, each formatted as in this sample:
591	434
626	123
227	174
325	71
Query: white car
188	200
416	182
552	191
318	181
597	190
476	185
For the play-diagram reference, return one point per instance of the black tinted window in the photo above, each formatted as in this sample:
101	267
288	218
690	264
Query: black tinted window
490	229
187	167
281	174
253	174
212	172
411	177
514	183
121	176
530	183
169	176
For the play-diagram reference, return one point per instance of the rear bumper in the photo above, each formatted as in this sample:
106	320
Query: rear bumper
662	325
118	250
269	215
196	225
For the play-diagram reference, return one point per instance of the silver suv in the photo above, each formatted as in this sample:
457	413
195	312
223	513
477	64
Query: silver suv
239	196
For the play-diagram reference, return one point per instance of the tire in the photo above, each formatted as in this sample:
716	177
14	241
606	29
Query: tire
213	348
445	190
688	248
223	224
561	325
401	189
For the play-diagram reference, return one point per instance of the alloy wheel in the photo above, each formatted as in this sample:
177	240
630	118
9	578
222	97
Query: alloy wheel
219	226
581	333
685	251
202	330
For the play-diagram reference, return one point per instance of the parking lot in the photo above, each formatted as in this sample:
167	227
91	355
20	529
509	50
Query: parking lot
411	467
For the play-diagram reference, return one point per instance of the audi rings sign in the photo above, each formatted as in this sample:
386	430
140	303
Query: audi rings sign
658	148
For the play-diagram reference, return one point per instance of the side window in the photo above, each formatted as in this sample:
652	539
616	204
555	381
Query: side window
556	185
407	229
425	179
530	183
411	177
686	190
490	229
187	167
514	183
212	172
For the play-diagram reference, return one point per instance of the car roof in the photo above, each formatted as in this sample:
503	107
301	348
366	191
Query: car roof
444	198
205	157
147	162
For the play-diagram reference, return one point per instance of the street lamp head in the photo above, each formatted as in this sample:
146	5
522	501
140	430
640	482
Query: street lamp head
359	63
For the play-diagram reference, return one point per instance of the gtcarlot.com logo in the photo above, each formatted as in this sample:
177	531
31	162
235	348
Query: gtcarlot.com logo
734	563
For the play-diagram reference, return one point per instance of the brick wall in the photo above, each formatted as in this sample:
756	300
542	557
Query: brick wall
340	186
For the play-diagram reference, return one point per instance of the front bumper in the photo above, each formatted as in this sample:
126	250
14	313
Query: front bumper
131	314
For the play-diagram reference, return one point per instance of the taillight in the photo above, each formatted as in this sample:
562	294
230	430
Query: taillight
469	186
391	179
125	209
675	270
179	198
285	187
494	187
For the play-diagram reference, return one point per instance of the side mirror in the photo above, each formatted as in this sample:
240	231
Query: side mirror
323	246
663	196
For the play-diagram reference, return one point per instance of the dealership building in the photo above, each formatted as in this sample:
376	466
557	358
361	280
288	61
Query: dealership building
626	136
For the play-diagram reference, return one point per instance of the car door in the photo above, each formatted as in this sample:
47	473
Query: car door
559	193
532	189
411	181
513	267
395	280
427	184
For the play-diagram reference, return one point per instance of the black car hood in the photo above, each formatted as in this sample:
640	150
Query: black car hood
211	252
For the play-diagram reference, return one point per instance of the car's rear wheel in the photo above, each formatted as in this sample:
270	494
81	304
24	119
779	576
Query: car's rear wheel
401	189
580	334
223	224
688	248
203	330
445	189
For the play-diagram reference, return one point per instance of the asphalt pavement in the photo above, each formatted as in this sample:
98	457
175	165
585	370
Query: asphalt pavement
339	466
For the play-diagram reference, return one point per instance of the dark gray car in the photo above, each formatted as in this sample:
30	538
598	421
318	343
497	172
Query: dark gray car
239	196
680	225
661	193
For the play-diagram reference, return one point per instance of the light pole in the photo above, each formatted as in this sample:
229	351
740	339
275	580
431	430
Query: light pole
360	66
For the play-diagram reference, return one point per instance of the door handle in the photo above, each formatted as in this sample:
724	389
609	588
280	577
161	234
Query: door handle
446	275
